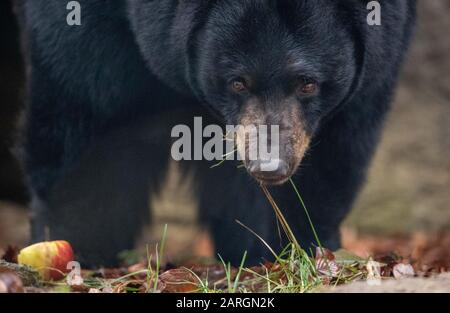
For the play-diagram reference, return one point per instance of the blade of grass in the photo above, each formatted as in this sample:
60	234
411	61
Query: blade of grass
225	156
236	280
159	258
260	238
306	212
287	229
227	268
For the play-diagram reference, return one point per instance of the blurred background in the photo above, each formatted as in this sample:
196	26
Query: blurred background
408	188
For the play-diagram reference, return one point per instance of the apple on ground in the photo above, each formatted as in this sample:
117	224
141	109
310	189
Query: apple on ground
49	258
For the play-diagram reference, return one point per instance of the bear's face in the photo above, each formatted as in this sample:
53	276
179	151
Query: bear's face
285	63
274	63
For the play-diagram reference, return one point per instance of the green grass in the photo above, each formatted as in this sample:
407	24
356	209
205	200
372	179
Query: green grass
296	271
293	270
158	258
233	285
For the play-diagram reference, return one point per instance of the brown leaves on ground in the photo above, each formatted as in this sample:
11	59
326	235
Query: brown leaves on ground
179	281
213	273
27	275
397	257
428	253
10	282
326	263
402	270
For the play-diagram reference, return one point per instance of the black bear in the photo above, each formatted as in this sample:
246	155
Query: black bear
102	97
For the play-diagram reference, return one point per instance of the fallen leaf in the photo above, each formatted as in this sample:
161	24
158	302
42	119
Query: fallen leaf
79	288
29	276
322	253
326	263
140	269
387	263
402	270
10	283
179	281
327	268
212	272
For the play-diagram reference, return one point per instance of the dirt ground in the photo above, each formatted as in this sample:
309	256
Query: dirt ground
438	284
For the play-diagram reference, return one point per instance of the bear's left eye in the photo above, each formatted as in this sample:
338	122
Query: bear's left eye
307	87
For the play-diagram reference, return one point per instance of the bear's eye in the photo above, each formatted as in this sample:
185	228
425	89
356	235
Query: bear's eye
307	87
238	85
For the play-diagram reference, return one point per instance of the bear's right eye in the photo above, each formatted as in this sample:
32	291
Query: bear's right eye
307	87
238	85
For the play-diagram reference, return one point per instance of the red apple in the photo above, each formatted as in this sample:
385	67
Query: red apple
49	258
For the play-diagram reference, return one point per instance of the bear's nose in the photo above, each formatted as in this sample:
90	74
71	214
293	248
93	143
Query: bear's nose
271	172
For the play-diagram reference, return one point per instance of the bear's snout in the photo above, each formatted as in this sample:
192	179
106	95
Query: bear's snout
272	145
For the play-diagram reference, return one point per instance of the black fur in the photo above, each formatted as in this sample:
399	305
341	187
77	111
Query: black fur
136	62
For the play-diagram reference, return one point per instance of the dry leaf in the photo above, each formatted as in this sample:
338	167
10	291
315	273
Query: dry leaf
387	263
10	283
139	269
212	272
179	281
326	263
402	270
322	253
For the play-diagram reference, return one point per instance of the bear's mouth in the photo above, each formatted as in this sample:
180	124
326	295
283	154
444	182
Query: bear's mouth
291	152
278	174
271	181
